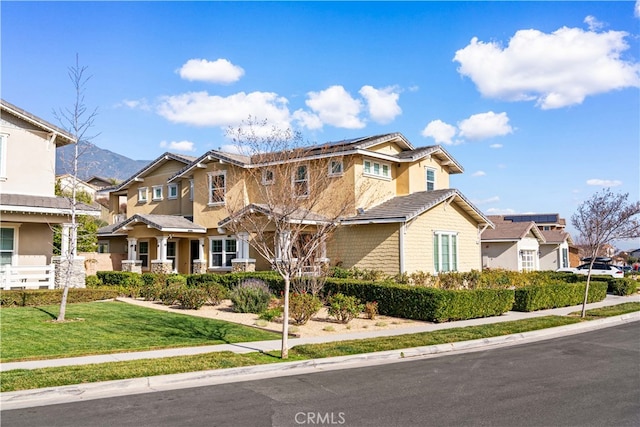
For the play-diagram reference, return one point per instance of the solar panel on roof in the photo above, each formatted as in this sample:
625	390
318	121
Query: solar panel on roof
538	218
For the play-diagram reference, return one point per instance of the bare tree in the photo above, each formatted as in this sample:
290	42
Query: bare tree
603	218
292	202
77	120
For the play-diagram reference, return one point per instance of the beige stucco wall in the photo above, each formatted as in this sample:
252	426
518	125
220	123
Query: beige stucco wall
500	255
418	241
370	246
27	149
157	177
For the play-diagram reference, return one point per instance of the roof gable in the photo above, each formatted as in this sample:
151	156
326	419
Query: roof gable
62	136
153	165
506	230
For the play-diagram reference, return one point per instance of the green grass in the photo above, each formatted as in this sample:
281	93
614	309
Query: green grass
30	333
614	310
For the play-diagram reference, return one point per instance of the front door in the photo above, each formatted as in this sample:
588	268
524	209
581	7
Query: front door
172	254
194	253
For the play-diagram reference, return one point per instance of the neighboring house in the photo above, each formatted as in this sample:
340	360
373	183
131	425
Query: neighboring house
66	183
526	243
407	218
28	205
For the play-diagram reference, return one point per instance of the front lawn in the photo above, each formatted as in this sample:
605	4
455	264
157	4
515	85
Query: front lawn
30	333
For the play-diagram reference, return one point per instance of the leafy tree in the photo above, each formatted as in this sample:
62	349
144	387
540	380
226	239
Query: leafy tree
600	220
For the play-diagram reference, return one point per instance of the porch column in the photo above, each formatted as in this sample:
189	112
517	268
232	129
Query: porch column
200	264
132	242
161	265
242	262
64	239
132	264
162	248
201	249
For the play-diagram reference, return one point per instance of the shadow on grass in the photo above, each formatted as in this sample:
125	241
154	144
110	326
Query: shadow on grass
53	316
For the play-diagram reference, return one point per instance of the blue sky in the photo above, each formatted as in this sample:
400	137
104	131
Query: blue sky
539	101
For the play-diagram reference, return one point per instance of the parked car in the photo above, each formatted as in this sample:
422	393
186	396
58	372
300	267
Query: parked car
599	269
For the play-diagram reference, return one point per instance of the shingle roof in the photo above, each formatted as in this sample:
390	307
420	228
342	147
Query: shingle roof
508	230
152	165
404	208
29	203
556	236
33	119
160	222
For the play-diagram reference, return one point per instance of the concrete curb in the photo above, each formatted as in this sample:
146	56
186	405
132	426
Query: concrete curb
83	392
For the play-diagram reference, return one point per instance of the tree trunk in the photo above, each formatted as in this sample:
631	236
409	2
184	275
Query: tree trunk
63	304
586	288
284	354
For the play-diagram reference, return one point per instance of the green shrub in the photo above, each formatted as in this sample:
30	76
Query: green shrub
215	292
271	314
169	294
344	307
153	285
272	279
114	278
622	287
176	279
539	297
302	307
251	296
37	297
192	298
93	282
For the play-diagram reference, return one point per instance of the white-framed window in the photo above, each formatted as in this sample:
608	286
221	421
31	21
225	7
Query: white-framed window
301	181
172	190
528	260
3	156
8	241
103	246
142	195
336	167
217	187
221	251
565	257
377	169
430	174
143	253
445	251
157	192
191	190
268	176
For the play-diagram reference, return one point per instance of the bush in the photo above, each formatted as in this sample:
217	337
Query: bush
153	286
344	308
539	297
302	307
215	292
37	297
169	294
371	310
251	296
622	287
271	314
92	282
192	298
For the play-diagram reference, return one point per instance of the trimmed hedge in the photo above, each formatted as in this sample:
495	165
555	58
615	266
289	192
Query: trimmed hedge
423	303
622	287
35	297
532	298
230	280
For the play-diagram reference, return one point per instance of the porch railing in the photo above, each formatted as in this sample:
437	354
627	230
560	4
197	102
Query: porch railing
27	277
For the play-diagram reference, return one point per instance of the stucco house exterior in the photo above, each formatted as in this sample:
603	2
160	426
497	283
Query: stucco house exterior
405	218
28	205
527	242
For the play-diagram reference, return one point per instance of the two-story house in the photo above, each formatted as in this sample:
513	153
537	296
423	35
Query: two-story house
402	217
28	205
526	242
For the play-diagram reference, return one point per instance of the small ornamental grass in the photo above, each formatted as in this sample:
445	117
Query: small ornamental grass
344	307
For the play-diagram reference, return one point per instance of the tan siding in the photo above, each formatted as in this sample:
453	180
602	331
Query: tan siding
157	177
419	238
373	246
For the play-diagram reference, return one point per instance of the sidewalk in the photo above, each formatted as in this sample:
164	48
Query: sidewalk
264	346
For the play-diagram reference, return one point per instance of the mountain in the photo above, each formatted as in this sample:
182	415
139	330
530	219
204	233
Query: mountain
96	161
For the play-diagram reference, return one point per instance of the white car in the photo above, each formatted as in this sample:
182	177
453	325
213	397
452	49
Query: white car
599	269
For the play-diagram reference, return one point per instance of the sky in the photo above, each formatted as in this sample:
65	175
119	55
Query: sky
539	101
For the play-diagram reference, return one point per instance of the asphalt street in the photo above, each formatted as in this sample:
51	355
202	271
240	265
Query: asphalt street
588	379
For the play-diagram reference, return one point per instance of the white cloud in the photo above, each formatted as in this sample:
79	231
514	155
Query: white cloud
440	131
307	120
485	125
593	23
636	9
479	173
496	146
135	104
335	106
493	199
555	70
202	109
604	182
218	71
178	145
382	103
498	211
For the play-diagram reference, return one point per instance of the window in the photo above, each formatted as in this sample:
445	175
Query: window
143	254
191	190
157	192
217	187
301	181
377	169
7	245
445	251
142	195
431	179
3	156
528	260
565	257
222	251
172	189
103	246
336	168
267	177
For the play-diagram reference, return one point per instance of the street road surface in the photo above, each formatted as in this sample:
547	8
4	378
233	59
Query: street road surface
589	379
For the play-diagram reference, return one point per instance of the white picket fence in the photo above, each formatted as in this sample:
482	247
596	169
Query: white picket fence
27	277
